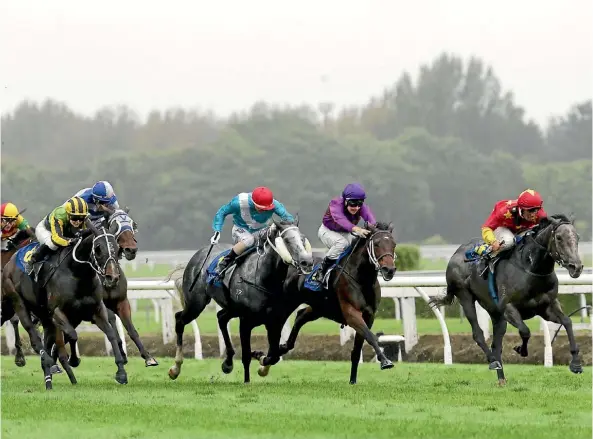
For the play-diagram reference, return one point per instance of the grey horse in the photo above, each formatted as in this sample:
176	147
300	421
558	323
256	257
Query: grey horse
249	291
527	285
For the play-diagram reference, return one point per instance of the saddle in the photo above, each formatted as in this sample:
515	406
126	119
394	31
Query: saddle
315	285
223	278
23	257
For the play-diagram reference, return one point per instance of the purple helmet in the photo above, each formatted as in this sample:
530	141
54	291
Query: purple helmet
354	191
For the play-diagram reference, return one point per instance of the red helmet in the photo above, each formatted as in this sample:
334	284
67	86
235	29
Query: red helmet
529	199
263	198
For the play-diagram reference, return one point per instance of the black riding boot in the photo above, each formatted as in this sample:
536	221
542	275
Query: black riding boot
325	264
226	261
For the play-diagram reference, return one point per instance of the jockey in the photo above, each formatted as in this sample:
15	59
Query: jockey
340	221
14	226
508	218
250	211
98	198
60	227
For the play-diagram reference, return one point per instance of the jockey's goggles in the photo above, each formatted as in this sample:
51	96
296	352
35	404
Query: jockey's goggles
533	210
77	217
354	203
8	219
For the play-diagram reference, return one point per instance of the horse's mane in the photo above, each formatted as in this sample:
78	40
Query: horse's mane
382	226
545	222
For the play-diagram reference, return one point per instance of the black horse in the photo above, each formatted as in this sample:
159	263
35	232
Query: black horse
68	291
526	282
124	228
353	295
249	291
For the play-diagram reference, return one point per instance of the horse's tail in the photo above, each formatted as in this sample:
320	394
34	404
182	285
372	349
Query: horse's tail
177	275
444	299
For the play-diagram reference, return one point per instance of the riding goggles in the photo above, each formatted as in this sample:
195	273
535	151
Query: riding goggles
354	203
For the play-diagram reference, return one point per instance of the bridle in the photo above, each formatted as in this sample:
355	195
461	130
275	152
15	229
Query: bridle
553	252
93	262
269	242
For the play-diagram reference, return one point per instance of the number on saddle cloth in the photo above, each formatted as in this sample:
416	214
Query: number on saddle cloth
315	285
23	256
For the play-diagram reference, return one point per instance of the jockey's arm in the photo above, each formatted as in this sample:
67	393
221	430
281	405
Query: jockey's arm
494	221
57	231
281	211
224	210
366	214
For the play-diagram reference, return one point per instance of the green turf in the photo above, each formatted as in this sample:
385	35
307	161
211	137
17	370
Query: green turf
297	399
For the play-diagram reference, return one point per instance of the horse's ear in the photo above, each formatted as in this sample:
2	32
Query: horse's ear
126	209
571	218
390	227
296	219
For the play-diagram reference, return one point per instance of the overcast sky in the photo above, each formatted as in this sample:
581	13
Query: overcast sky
225	55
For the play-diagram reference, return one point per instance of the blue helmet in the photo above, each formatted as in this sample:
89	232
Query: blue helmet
103	192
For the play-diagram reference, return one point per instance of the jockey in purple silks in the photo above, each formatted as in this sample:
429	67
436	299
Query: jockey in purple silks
340	222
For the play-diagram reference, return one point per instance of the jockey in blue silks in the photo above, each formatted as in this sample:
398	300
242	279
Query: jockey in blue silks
251	212
99	197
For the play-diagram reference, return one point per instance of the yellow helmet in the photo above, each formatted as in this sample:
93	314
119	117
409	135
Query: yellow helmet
76	207
10	211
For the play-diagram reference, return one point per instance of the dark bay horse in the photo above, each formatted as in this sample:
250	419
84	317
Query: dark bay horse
354	293
7	307
68	291
124	228
526	283
249	291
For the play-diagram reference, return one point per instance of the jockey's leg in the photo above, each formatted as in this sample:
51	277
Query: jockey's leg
336	243
506	238
243	240
47	246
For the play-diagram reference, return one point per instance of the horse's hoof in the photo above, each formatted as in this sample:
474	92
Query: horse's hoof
55	369
387	364
48	385
74	361
151	362
352	381
502	382
226	368
495	365
517	349
121	377
263	371
576	368
20	361
173	372
256	355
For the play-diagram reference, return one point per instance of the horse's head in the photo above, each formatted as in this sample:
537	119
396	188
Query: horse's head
292	246
381	249
561	242
124	228
103	256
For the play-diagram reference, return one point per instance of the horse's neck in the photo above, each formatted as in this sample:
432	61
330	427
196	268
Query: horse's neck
83	254
360	267
535	256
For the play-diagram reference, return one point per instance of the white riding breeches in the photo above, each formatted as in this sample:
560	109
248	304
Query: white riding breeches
4	244
44	236
337	242
241	235
505	237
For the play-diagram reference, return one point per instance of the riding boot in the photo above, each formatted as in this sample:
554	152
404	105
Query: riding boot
226	261
325	264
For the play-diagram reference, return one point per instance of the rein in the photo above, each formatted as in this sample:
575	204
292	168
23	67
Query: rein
370	247
555	254
94	263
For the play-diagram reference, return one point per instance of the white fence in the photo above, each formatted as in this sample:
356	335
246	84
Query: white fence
403	290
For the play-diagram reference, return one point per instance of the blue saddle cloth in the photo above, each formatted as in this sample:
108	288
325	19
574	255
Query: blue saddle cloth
214	278
315	285
24	254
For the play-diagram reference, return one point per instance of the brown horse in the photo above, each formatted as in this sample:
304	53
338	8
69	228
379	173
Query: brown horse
8	311
352	298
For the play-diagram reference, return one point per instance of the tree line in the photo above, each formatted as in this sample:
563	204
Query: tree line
434	154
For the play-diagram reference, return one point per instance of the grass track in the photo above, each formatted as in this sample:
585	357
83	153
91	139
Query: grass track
298	399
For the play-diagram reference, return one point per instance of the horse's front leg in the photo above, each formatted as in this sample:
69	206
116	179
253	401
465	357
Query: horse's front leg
513	316
124	311
100	319
355	320
62	325
554	313
19	356
223	316
113	322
